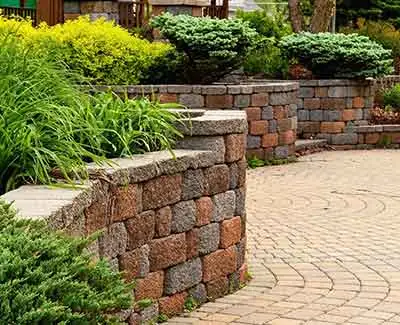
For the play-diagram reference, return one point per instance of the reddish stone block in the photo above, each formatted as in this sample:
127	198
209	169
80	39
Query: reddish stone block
259	100
332	127
309	127
135	263
321	92
312	103
253	113
333	103
172	305
285	124
141	229
235	147
204	210
97	216
258	127
217	288
280	112
168	251
348	115
395	137
162	191
216	179
192	243
163	221
126	202
219	263
242	170
358	102
269	140
257	153
168	98
288	137
219	101
230	232
151	287
372	138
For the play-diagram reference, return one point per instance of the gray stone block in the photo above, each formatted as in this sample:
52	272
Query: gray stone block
191	100
272	126
300	103
241	252
282	98
199	293
209	238
240	201
224	206
345	138
214	90
234	176
183	276
241	101
358	114
114	241
316	115
366	114
183	216
292	110
246	89
303	115
267	113
193	184
148	314
215	144
281	152
234	89
332	115
337	92
253	142
180	89
306	92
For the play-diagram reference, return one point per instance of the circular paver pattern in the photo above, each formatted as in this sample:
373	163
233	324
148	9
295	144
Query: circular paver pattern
323	244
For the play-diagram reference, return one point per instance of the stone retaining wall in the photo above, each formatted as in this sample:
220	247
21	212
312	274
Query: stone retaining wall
270	107
376	136
175	225
327	108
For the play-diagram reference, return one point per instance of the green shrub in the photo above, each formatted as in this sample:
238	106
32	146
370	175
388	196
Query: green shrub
212	47
46	123
47	278
391	97
338	55
99	50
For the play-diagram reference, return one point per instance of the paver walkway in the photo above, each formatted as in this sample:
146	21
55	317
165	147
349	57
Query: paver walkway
324	244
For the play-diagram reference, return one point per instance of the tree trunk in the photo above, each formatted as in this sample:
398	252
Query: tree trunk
321	18
296	17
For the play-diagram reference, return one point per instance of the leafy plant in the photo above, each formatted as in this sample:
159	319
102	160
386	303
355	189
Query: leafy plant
144	303
391	97
212	47
162	318
255	162
338	55
47	278
190	304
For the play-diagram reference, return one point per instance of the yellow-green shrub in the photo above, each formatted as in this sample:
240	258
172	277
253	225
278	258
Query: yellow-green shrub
99	50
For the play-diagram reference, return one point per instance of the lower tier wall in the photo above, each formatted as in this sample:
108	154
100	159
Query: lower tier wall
271	109
175	225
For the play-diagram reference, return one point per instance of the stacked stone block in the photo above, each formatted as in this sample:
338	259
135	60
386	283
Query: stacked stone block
328	109
107	9
271	110
372	136
175	225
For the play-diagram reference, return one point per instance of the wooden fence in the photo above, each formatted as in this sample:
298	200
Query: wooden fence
217	9
134	14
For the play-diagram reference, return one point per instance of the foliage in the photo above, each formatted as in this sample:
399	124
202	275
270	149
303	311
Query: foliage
391	97
99	50
46	123
266	57
386	115
255	162
47	278
190	304
338	55
212	47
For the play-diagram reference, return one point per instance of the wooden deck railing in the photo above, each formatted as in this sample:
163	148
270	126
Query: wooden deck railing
134	14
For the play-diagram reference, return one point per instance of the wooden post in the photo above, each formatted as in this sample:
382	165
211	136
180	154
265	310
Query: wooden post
50	11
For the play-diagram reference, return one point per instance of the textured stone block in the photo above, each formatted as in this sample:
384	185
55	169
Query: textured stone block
219	263
151	287
306	92
141	229
333	103
215	144
284	125
280	112
303	115
218	288
219	101
168	98
338	91
282	98
321	92
281	152
214	90
309	127
192	243
168	251
332	127
135	264
209	238
255	153
183	216
199	293
242	101
149	313
348	115
287	137
126	202
270	140
241	251
358	102
345	138
172	305
163	221
258	127
97	216
183	276
233	175
114	241
230	232
253	142
224	206
332	115
259	99
316	115
312	103
292	110
162	191
235	145
193	184
204	210
240	202
372	138
272	126
267	113
253	113
216	179
180	89
191	100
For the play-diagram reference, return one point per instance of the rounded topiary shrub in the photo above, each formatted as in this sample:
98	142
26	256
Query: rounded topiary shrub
338	55
47	278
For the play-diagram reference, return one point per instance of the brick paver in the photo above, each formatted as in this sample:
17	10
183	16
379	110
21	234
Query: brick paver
323	244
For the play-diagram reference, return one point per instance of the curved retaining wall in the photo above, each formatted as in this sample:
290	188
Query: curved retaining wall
271	109
175	225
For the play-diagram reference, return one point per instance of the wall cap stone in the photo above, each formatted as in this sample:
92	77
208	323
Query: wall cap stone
336	82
